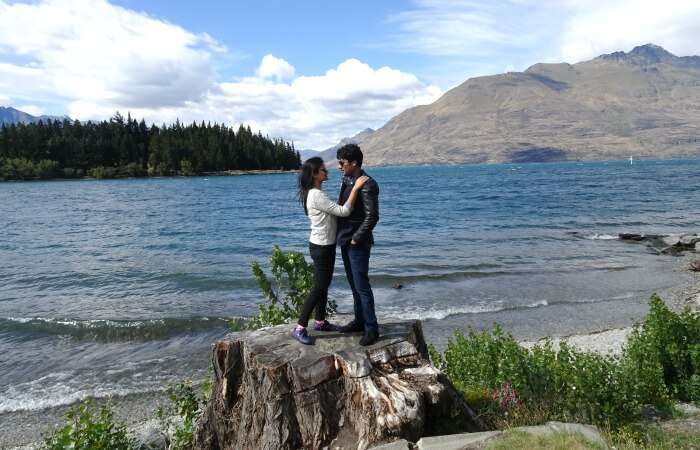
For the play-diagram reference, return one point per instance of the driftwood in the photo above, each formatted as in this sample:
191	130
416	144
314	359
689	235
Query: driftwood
270	392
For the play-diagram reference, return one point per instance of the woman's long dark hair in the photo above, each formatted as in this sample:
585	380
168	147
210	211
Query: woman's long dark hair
306	178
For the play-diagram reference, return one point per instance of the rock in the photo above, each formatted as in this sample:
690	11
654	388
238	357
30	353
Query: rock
694	266
590	432
672	250
673	244
457	441
689	240
671	240
402	444
271	392
630	237
688	409
149	436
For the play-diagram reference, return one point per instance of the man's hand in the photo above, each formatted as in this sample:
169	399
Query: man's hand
352	242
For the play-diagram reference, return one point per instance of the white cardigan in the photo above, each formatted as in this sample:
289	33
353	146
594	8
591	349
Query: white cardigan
323	214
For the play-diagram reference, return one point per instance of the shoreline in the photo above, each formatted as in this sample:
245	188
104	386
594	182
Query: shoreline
223	173
22	429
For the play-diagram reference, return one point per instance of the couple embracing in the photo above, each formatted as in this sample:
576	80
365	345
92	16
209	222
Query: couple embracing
347	224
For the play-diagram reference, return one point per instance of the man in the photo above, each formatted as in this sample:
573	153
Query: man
355	239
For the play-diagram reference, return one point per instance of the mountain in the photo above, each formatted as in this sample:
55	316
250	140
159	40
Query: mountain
11	115
643	103
328	154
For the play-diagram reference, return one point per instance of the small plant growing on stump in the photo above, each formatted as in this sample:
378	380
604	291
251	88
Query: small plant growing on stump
292	279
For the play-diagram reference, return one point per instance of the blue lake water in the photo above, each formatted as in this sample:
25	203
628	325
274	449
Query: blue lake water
115	287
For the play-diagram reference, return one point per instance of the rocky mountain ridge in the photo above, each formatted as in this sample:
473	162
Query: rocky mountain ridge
643	103
10	115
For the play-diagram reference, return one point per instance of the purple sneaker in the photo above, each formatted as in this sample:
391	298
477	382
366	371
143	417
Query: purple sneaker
302	336
326	326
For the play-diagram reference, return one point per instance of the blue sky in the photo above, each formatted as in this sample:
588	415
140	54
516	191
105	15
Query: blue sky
308	71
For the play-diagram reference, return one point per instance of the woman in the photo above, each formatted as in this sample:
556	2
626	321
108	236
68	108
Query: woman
322	212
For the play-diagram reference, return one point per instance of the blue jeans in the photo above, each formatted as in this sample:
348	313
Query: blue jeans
356	261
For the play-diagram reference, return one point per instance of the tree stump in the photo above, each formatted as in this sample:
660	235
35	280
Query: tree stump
271	392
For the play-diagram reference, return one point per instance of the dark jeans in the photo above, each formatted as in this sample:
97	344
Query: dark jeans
356	261
324	263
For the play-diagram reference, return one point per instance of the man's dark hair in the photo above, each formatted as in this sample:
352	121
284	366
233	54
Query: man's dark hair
350	152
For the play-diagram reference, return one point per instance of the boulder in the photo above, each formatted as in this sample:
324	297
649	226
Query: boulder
671	240
689	240
673	244
271	392
149	436
631	237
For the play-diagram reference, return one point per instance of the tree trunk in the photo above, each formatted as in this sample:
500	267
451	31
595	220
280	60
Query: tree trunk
271	392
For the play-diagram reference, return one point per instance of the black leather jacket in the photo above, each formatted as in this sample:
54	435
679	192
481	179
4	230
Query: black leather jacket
359	224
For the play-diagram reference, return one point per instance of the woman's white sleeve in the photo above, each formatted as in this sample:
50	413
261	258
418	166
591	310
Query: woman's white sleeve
321	202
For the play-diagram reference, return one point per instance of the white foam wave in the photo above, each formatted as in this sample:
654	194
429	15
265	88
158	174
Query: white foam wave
65	388
421	313
601	237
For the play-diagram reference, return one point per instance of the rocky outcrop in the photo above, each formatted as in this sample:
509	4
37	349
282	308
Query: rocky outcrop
270	392
672	244
479	441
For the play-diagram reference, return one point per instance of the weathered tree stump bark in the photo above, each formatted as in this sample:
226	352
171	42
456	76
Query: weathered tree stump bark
270	392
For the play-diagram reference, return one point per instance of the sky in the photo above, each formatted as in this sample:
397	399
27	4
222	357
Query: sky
311	72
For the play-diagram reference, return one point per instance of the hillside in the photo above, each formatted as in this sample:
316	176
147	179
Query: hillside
644	103
10	115
328	154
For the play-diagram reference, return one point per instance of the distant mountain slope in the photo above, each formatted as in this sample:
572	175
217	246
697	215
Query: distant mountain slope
328	154
644	103
11	115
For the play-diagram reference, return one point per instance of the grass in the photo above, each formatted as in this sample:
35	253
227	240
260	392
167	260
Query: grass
553	441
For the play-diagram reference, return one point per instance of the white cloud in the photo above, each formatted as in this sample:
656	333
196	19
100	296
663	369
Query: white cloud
470	38
277	68
34	110
314	111
596	26
472	28
97	58
93	49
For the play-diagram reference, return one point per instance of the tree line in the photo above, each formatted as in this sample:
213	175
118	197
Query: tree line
125	147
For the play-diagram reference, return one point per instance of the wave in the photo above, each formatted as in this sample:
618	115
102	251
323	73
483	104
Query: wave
442	313
436	313
593	236
108	330
389	280
601	237
31	398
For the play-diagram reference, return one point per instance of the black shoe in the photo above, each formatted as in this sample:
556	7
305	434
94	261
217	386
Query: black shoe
352	327
369	338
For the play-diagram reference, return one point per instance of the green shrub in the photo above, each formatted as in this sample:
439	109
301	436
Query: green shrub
668	344
660	362
186	168
24	169
68	172
292	279
85	431
131	170
185	404
45	169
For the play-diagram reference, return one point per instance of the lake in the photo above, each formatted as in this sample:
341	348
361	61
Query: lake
115	287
